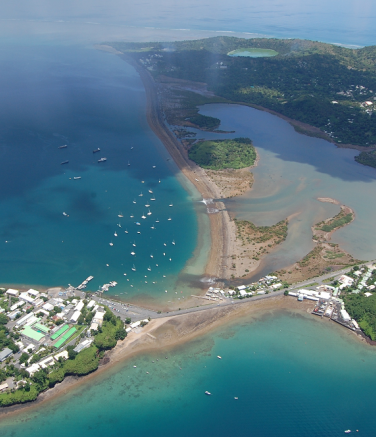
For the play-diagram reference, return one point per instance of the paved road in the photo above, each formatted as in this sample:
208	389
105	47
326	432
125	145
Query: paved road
139	313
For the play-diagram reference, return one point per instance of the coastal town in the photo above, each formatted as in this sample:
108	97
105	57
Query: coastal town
40	331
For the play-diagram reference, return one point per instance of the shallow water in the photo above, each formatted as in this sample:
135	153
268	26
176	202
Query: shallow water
293	171
294	375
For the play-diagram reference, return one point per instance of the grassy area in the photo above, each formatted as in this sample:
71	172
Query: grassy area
336	222
221	154
249	232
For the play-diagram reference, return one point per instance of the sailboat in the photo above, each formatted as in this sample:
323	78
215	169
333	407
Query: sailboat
134	244
120	214
129	163
140	195
151	256
143	216
173	242
134	201
151	191
119	225
149	268
147	205
157	221
126	231
153	198
133	253
170	204
111	244
115	234
149	213
152	227
134	268
169	218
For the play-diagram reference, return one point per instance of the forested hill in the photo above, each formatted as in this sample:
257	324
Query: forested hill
327	86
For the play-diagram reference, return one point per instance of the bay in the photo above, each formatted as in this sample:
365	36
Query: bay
56	95
293	374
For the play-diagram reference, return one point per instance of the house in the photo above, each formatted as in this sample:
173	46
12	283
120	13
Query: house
48	307
5	353
4	387
63	355
11	292
33	293
26	298
75	316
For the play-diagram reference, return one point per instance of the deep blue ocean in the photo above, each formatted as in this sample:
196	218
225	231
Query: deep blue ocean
56	95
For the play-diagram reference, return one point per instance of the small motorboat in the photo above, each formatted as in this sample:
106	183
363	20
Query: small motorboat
208	393
111	244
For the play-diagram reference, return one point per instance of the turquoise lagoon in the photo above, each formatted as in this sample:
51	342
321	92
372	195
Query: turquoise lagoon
294	375
55	95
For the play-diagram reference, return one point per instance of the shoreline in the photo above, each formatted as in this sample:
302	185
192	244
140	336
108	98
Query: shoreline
162	334
219	222
167	333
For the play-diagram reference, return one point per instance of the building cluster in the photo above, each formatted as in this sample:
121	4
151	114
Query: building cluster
328	301
265	285
43	326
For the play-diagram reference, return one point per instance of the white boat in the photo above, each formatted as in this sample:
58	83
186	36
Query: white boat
173	242
129	163
138	232
77	177
133	253
126	231
157	221
164	244
153	198
119	225
236	398
147	205
143	216
65	214
154	166
347	431
159	181
164	254
131	216
151	256
111	244
134	201
138	223
120	214
152	227
170	259
102	160
134	244
140	195
219	357
115	234
169	219
149	268
208	393
134	268
149	213
150	191
170	204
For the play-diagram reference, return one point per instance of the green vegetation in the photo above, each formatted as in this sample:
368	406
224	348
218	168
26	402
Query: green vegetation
261	234
204	122
220	154
80	364
336	222
363	310
327	86
367	158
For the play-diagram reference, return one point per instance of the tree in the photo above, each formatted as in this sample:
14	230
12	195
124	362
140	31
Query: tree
81	320
71	353
128	320
3	319
24	357
40	377
120	334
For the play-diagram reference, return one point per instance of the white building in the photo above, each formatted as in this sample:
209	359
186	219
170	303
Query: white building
91	304
26	298
75	316
79	306
48	307
33	292
12	292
